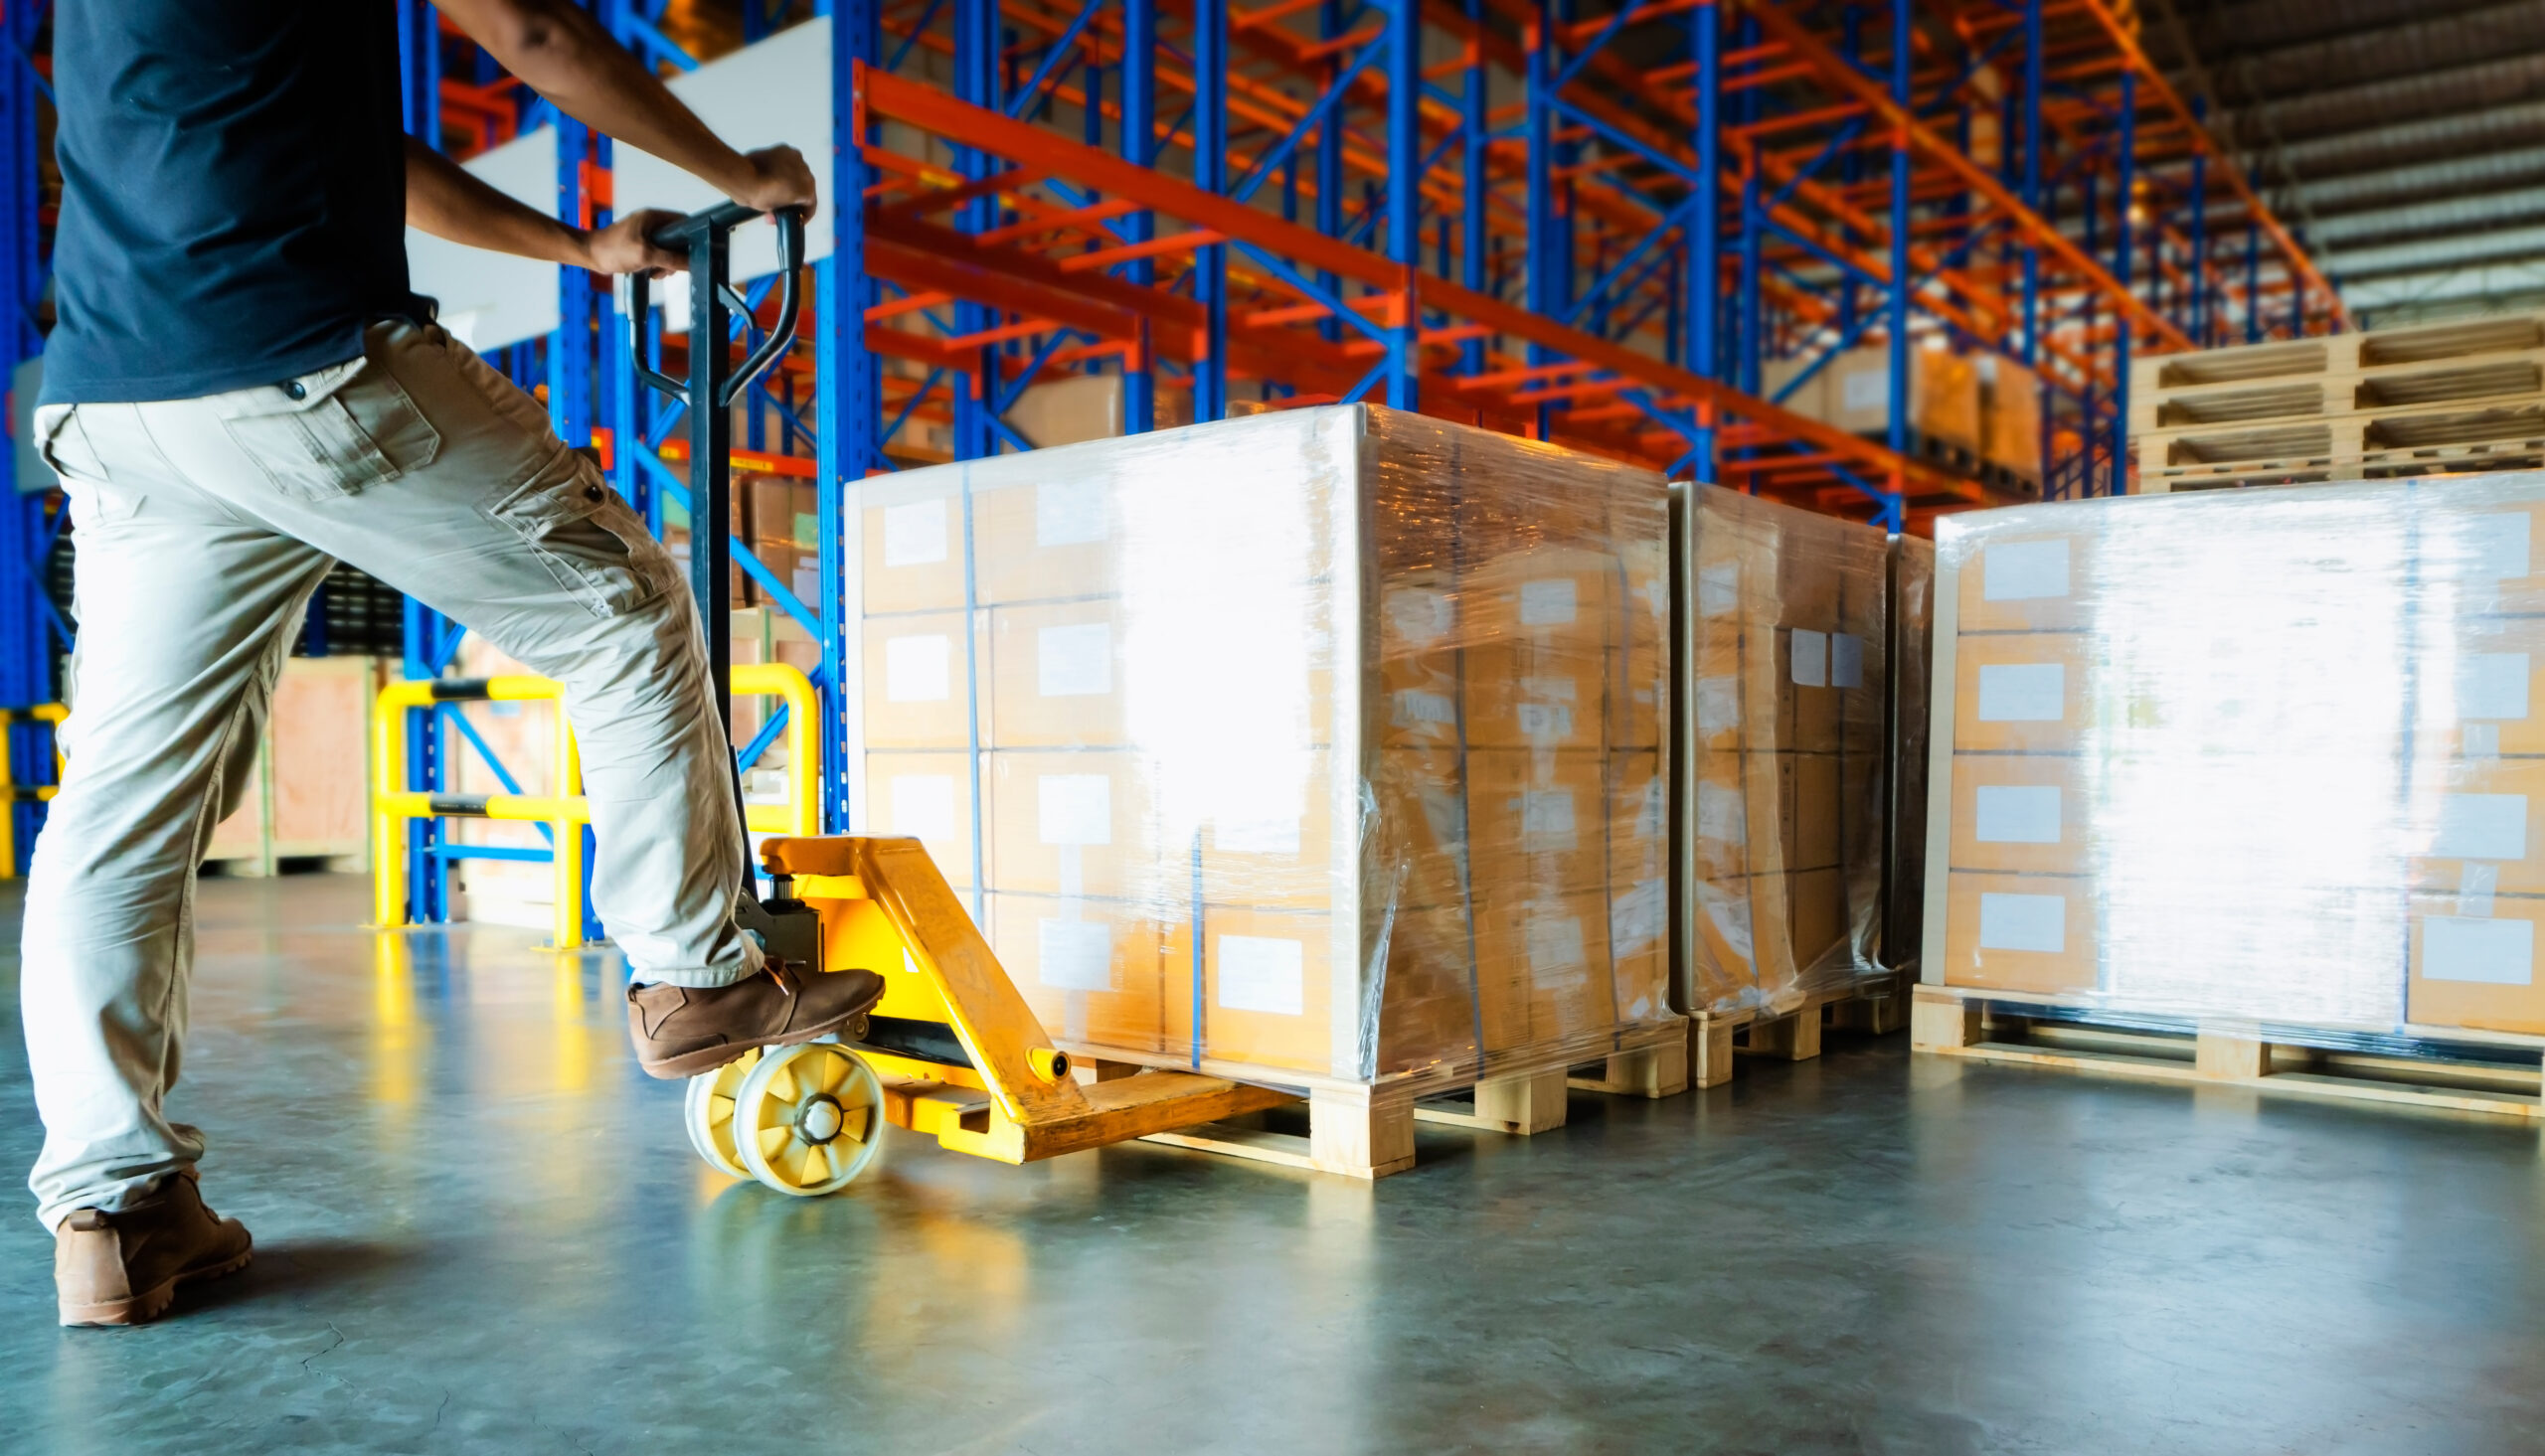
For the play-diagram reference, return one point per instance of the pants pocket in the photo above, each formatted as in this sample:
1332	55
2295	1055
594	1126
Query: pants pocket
63	443
351	425
585	536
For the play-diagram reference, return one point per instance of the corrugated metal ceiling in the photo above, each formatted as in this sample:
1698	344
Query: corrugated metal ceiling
2404	138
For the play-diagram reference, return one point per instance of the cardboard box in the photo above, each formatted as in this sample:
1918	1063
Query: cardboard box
2476	970
2020	933
1418	844
2022	814
1055	538
2034	581
929	796
1091	970
1816	903
1543	694
911	547
1266	974
1535	959
2010	415
2492	700
1058	671
2022	693
2481	825
1944	394
1538	823
1270	840
1081	824
919	690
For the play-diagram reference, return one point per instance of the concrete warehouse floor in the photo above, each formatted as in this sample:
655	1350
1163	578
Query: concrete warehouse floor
479	1229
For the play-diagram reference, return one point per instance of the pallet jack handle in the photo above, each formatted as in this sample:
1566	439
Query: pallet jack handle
713	384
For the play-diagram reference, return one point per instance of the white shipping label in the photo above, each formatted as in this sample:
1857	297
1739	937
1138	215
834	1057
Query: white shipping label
2016	814
2499	544
1262	973
1075	808
1638	916
1069	513
1075	661
1419	615
808	581
2023	692
924	805
1413	707
1559	690
914	534
2482	739
1546	603
2023	570
1557	961
1722	816
1811	657
916	669
2493	685
1256	837
1074	955
1546	819
2023	922
1546	720
2495	952
2481	827
1719	590
1718	705
1846	661
1868	389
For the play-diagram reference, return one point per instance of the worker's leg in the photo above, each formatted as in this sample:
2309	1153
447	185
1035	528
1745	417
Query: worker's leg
426	468
185	610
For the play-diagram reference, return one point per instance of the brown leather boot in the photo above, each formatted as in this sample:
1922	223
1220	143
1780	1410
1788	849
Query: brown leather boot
123	1269
682	1031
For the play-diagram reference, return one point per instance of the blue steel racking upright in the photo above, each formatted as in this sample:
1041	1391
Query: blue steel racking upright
1595	224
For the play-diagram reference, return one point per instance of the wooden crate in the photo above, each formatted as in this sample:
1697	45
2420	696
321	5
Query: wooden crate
2432	1069
309	797
2430	399
1717	1040
1366	1129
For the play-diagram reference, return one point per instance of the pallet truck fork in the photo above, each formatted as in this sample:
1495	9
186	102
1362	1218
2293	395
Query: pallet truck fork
952	1051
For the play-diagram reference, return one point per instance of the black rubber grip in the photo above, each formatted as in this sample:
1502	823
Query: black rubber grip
462	690
916	1040
462	806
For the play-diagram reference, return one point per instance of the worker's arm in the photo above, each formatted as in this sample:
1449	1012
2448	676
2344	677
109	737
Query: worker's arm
562	53
448	201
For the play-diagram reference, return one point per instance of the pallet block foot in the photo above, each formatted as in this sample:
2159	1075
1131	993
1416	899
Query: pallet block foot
2231	1054
1939	1022
1794	1038
1709	1051
1654	1071
1358	1135
1522	1105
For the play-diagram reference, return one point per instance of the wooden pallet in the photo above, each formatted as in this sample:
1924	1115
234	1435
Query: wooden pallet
2343	374
2349	447
1366	1129
1718	1040
2432	1073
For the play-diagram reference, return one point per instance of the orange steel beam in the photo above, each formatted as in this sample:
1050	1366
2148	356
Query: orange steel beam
1839	76
881	94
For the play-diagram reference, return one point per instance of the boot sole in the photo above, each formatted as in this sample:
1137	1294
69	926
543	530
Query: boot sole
708	1059
151	1303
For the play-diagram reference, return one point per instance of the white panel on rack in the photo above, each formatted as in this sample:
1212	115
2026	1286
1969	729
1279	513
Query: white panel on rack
775	92
491	299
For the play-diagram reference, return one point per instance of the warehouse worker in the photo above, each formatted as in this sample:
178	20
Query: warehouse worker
239	392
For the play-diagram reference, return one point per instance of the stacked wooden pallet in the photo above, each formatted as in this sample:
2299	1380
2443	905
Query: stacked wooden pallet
2432	400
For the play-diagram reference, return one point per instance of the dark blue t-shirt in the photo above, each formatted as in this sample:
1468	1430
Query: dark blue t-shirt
234	193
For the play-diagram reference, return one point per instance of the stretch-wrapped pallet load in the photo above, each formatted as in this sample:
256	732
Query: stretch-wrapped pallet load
1320	742
2274	755
1912	622
1785	616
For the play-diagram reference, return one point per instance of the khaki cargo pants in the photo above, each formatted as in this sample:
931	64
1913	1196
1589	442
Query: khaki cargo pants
204	525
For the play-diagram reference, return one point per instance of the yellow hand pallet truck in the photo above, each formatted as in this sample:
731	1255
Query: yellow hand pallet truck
952	1051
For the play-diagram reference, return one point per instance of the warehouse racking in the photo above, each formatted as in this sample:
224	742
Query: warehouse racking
1607	228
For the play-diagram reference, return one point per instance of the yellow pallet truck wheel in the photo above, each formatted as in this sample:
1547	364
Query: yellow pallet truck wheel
809	1118
707	1109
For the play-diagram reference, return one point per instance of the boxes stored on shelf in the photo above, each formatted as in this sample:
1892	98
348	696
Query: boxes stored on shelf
1324	741
309	795
2010	417
1944	394
2266	755
1782	669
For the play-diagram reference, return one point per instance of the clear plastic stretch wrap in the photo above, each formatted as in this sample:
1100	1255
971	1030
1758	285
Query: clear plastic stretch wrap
1785	739
1326	741
1912	633
2273	754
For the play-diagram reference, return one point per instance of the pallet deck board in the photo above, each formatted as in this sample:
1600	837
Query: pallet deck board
1955	1022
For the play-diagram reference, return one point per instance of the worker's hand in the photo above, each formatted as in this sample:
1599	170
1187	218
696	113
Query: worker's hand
621	247
780	178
